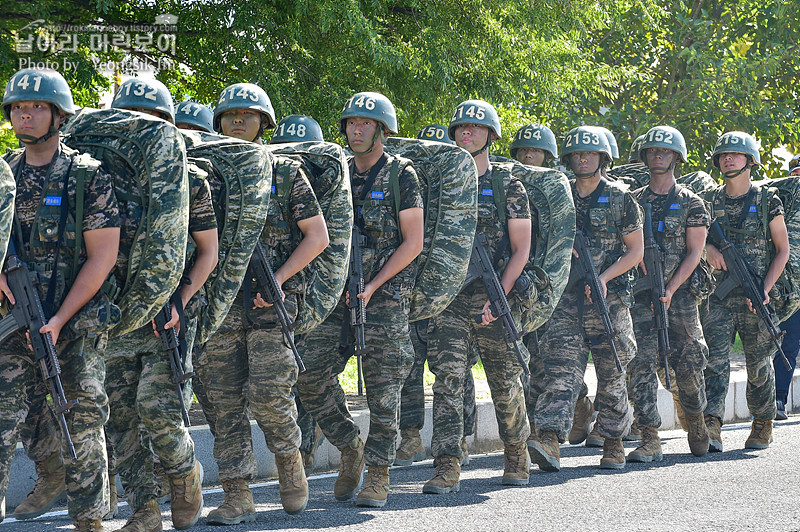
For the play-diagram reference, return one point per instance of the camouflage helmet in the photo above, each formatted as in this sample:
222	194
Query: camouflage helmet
475	112
373	105
535	136
43	85
139	93
195	114
245	96
585	138
794	163
737	142
436	132
664	137
612	141
297	128
633	156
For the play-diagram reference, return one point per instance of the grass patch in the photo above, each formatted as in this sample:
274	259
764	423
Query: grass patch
347	379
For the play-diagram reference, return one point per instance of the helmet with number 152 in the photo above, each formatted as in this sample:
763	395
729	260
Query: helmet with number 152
663	137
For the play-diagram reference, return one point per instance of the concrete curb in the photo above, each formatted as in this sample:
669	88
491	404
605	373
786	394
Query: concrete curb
22	474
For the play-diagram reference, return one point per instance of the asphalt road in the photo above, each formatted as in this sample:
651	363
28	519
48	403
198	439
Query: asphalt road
735	490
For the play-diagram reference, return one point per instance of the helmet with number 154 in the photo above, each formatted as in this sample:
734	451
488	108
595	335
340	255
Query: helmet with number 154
535	136
42	85
297	128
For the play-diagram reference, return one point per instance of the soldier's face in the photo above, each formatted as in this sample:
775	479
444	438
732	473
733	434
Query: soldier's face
471	137
151	112
184	125
32	118
796	171
241	123
360	132
730	161
659	157
530	156
584	162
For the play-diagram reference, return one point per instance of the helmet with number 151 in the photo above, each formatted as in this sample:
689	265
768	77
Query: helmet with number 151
737	142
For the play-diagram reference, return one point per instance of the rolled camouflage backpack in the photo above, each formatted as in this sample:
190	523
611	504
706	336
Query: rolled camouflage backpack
550	197
635	175
240	176
698	182
7	192
326	166
147	161
450	190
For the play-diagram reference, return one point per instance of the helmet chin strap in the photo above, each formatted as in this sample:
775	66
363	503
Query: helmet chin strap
735	173
378	135
485	146
53	130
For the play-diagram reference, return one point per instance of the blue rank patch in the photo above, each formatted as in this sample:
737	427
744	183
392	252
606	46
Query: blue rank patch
52	200
661	226
674	206
487	192
376	195
272	189
602	199
752	209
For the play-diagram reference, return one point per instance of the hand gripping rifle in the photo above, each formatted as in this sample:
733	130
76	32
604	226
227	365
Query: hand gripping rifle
175	345
739	274
654	262
480	264
586	271
271	293
27	313
356	305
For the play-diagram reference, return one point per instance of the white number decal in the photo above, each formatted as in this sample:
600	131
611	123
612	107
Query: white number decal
23	82
480	114
301	130
280	129
151	95
139	89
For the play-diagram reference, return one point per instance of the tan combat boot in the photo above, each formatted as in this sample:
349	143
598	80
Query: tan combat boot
680	413
594	439
292	483
650	448
634	434
446	476
411	449
88	525
613	454
238	506
47	491
376	488
145	519
714	428
545	451
187	497
581	421
113	508
517	465
351	470
464	451
698	434
760	434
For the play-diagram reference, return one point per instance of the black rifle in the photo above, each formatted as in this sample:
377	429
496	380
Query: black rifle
356	305
175	345
271	293
27	313
480	264
739	274
586	272
654	262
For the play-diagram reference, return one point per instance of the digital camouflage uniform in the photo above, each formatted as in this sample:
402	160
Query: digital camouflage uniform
412	397
146	414
673	213
388	342
246	367
453	333
82	339
605	216
724	318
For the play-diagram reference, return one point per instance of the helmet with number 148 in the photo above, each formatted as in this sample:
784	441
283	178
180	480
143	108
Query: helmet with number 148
297	128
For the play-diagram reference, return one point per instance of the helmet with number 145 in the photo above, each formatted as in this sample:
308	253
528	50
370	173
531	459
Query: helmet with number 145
475	112
663	137
436	132
297	128
150	94
43	85
535	136
245	96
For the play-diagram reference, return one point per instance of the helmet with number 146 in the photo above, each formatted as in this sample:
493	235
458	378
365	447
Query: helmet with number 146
373	105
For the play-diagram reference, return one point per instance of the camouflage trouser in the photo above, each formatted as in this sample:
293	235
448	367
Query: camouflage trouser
306	423
720	322
145	415
565	353
450	337
39	433
686	363
386	366
82	373
412	397
245	370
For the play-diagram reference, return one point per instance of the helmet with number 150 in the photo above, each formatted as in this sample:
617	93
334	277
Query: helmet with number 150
435	132
245	96
373	105
663	137
43	85
297	128
535	136
586	139
194	114
150	94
